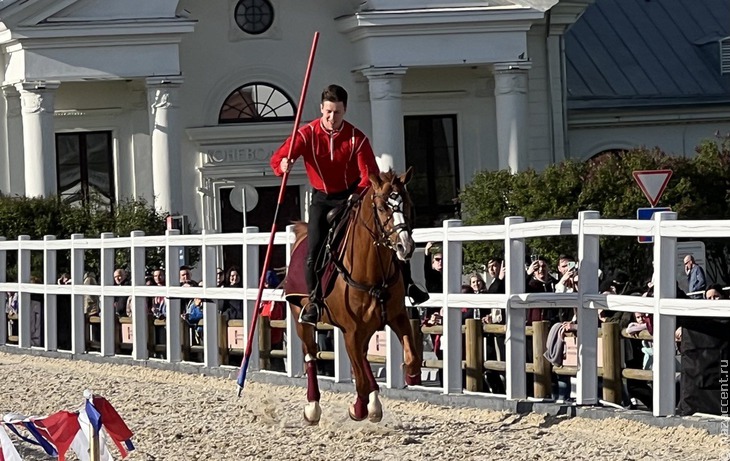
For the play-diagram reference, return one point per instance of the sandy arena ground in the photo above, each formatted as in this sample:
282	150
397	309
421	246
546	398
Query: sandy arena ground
184	417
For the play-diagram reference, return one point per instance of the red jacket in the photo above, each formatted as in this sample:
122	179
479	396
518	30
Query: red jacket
334	161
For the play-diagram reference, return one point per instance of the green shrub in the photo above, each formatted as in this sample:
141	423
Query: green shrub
38	217
699	189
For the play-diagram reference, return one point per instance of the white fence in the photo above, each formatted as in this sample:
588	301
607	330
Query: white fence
665	229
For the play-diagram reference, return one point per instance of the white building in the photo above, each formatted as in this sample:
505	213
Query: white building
182	102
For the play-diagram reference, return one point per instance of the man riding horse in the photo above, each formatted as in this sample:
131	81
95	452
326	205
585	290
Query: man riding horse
338	160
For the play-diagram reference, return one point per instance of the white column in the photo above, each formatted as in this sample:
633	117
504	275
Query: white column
510	93
11	160
39	144
163	95
386	109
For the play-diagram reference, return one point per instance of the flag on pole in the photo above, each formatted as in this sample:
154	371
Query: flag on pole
81	442
102	414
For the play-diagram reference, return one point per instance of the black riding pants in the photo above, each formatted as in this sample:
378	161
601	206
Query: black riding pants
318	227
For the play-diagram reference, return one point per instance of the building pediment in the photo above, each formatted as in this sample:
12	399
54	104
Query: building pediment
91	39
14	13
482	33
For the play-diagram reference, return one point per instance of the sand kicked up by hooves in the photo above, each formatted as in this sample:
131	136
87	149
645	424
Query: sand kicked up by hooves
178	416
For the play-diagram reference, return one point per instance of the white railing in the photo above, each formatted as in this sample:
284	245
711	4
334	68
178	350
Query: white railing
587	228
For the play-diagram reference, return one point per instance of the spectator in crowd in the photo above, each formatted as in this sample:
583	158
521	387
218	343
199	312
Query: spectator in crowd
63	315
192	315
494	344
496	271
618	284
37	327
159	303
91	302
187	277
538	280
120	302
433	274
220	278
715	292
64	279
233	308
186	280
476	282
705	350
11	303
11	308
696	281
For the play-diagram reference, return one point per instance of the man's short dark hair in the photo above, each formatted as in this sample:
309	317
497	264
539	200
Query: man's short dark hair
566	257
184	268
335	93
497	260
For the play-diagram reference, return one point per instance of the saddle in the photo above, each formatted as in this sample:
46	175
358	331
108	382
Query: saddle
340	219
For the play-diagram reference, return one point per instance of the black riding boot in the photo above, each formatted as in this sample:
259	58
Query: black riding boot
417	295
311	312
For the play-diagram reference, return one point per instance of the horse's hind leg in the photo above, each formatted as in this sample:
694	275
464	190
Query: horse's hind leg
402	328
312	410
367	404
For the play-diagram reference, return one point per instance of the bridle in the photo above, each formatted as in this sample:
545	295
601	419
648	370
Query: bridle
395	203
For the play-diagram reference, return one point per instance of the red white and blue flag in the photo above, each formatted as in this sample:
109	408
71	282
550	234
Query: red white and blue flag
64	430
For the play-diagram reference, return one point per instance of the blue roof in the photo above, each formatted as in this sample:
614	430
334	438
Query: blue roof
628	53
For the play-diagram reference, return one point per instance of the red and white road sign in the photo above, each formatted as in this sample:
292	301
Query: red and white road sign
652	183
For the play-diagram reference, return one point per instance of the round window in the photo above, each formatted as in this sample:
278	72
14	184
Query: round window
254	16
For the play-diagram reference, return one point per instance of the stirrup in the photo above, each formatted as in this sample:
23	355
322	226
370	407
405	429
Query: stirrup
309	314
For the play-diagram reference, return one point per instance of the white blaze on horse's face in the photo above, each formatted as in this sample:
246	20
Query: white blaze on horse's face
404	246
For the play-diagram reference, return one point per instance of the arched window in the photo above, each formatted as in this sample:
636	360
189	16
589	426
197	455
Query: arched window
257	102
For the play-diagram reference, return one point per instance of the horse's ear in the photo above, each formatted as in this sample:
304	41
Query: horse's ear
375	180
405	177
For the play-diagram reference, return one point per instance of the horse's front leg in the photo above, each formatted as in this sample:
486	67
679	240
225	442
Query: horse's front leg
312	410
367	404
402	328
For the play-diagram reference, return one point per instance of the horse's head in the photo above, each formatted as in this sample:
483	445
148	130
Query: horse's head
392	209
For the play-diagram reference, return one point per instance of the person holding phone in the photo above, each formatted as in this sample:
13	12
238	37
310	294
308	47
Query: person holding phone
568	270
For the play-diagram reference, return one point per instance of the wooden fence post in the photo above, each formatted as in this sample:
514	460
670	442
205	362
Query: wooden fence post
610	332
474	355
540	365
264	343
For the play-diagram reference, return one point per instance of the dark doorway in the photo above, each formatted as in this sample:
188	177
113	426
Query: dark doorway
262	217
432	151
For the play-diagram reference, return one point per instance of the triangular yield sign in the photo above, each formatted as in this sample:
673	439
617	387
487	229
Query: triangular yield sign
652	183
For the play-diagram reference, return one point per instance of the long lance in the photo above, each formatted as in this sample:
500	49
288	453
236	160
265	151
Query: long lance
282	190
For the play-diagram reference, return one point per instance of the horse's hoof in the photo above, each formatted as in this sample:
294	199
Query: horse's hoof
312	413
375	417
413	380
375	409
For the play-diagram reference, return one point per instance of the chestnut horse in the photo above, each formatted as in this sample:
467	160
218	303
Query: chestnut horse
368	292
